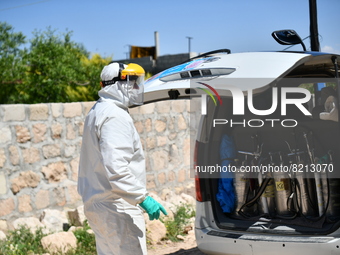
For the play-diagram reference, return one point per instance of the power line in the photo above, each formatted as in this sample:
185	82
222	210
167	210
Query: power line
19	6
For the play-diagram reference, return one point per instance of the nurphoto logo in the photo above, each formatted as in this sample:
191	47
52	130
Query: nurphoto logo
239	105
204	97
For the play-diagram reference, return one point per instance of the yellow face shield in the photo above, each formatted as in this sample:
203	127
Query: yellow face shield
134	74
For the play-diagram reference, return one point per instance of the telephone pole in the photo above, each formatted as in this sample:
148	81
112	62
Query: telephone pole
189	42
314	34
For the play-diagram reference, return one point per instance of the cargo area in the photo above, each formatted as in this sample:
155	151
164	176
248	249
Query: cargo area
290	178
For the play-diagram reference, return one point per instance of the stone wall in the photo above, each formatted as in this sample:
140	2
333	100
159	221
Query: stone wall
40	147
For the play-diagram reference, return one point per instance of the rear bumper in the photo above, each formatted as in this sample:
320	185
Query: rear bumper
226	243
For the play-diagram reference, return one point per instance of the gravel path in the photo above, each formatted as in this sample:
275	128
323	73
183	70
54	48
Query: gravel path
187	247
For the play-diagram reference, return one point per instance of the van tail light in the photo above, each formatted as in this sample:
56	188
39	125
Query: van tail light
197	179
198	189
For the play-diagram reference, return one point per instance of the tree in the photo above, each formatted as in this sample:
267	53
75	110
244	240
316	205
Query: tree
53	64
11	66
93	67
53	69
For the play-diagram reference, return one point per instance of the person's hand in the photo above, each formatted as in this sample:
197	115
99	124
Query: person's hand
153	208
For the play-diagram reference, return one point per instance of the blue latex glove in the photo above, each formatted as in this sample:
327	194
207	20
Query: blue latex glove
153	208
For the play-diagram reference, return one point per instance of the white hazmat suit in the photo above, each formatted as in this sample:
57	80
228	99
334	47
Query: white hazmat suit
112	173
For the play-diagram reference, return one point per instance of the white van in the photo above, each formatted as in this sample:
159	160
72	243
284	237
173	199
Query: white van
267	155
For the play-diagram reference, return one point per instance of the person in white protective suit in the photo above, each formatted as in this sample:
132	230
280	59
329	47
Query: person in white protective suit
111	178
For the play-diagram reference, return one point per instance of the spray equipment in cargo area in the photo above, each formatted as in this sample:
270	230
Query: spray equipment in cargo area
282	194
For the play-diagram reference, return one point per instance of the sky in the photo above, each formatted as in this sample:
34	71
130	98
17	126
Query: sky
108	27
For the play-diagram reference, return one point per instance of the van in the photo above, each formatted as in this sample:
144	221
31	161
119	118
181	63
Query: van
266	161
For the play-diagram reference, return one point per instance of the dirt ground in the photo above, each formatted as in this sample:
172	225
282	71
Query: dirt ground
186	247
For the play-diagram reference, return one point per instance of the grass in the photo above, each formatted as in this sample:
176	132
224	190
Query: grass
23	242
86	241
176	226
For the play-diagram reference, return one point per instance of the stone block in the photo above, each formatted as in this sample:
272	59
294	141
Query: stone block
150	142
3	158
188	199
181	176
56	130
55	172
134	111
171	176
5	135
163	106
148	125
23	134
182	122
57	243
80	125
82	217
72	110
39	132
3	225
171	126
161	178
24	204
17	184
38	111
3	184
56	109
87	107
31	155
54	219
14	155
178	106
159	160
73	195
74	219
162	141
187	151
174	154
147	108
156	231
172	136
139	127
14	112
31	223
51	151
42	199
77	217
70	132
150	182
74	169
58	195
160	125
25	179
7	206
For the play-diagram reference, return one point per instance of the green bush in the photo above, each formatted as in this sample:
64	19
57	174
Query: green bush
86	241
22	242
176	226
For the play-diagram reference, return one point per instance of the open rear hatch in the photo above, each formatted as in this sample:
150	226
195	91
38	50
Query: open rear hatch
290	182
